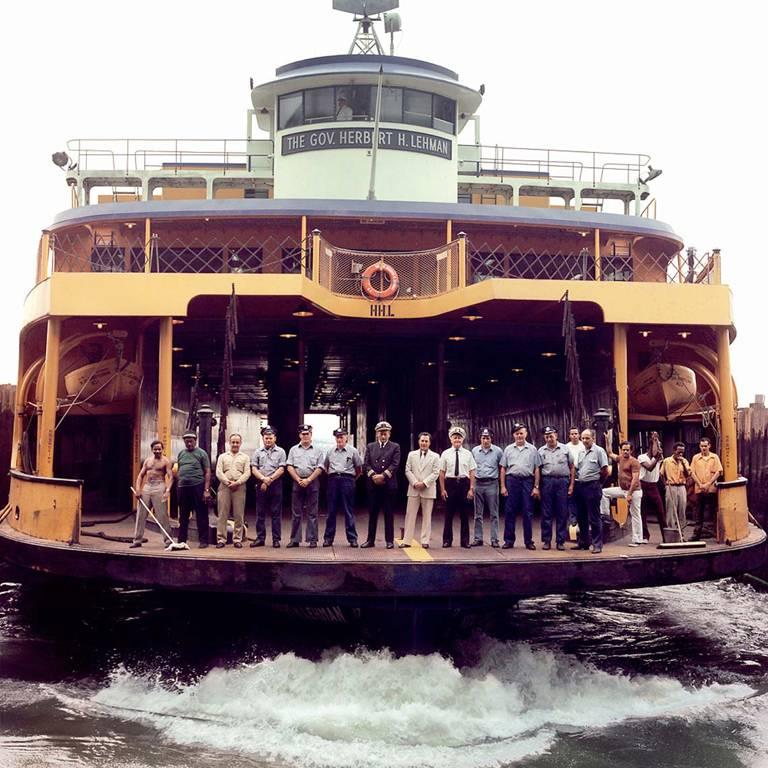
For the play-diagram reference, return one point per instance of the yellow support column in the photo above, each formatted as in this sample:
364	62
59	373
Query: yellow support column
165	383
42	257
732	515
147	245
136	446
462	259
18	412
598	265
303	242
46	426
315	255
448	231
620	366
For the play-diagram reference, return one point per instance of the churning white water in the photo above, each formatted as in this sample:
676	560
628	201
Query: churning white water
374	709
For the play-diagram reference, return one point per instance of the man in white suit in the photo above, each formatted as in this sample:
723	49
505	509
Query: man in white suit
422	469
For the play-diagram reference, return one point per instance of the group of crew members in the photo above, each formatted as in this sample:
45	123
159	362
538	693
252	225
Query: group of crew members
567	478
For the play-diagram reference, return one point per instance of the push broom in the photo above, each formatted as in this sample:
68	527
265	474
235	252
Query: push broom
174	546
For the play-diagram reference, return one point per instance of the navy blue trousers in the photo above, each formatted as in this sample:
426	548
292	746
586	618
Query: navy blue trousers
519	501
340	492
554	509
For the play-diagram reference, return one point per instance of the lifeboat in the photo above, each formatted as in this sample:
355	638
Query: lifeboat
662	389
106	381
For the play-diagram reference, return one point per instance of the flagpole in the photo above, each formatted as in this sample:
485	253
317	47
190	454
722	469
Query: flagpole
375	148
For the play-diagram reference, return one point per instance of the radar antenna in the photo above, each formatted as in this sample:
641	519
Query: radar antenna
366	12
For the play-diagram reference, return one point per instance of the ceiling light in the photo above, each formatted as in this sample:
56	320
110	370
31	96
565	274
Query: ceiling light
177	349
373	381
493	381
645	334
585	327
457	338
516	370
303	310
684	334
472	314
288	335
471	388
100	324
185	365
177	321
549	354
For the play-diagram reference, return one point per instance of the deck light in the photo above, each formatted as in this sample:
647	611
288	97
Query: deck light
63	161
472	314
653	173
303	310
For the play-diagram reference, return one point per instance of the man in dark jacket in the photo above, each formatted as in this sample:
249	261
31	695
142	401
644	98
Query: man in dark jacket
382	460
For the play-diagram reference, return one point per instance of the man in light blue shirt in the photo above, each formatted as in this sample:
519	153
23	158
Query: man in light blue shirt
557	475
304	465
591	471
520	475
343	466
488	459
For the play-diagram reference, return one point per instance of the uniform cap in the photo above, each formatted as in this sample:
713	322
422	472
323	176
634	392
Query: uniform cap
305	428
189	434
517	426
550	430
383	425
457	431
485	432
339	432
267	430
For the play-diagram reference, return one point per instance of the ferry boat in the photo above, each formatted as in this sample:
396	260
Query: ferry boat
352	256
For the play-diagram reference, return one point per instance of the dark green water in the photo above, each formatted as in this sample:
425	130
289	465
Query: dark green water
675	676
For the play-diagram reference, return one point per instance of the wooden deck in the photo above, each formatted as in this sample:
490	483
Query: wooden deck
344	572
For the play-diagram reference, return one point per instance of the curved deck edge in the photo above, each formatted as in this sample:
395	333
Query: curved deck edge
446	579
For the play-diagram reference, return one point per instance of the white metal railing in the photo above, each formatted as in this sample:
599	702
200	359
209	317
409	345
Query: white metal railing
134	155
565	164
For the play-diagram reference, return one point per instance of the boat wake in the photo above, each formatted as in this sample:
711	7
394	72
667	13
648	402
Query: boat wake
373	709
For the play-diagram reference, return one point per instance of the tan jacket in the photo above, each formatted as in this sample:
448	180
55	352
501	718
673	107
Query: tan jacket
425	470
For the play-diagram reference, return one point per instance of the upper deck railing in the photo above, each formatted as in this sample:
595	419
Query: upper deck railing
258	247
127	156
595	168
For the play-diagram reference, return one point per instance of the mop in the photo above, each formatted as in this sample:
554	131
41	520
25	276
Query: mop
174	546
681	544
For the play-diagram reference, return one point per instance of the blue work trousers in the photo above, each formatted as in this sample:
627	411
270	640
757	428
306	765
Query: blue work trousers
554	509
519	501
588	498
340	493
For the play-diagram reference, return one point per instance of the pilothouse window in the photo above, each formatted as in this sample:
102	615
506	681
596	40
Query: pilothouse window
358	102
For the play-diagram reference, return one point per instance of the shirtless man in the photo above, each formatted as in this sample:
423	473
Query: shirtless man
153	487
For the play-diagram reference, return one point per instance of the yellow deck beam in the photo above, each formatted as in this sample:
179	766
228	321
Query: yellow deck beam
47	421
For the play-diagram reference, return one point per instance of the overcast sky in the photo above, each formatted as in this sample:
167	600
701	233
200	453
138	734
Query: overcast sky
682	82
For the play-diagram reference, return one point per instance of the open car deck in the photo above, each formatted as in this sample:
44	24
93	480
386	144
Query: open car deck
343	572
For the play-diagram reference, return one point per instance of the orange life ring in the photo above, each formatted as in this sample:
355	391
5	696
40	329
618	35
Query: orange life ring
385	293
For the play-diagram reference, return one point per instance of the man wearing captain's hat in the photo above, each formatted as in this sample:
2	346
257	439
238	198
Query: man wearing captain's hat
382	460
457	485
268	467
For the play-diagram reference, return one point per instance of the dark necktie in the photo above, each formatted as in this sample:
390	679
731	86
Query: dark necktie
456	470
